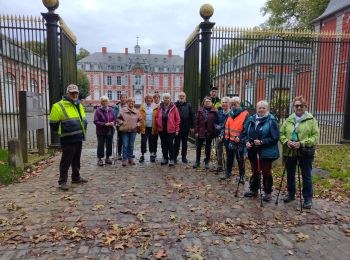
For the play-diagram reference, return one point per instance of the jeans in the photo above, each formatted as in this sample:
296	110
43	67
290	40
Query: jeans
305	167
103	140
71	153
265	167
128	144
167	143
231	154
182	138
147	136
199	144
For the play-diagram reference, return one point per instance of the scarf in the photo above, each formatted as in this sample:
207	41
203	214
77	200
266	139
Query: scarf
259	119
233	113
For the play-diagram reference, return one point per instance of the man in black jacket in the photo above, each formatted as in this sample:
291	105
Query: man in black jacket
186	125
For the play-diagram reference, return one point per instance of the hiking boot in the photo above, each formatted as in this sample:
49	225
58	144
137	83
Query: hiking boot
80	181
226	176
164	161
100	162
307	204
124	163
119	157
142	159
63	186
131	161
250	194
240	179
108	161
267	197
152	158
196	165
206	165
184	160
171	163
288	199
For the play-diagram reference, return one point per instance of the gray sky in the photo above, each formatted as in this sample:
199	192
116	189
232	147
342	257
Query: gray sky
160	24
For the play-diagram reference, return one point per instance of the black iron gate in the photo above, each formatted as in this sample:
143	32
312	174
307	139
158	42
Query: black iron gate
277	65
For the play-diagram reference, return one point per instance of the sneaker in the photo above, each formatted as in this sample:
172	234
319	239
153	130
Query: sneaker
196	165
152	158
219	169
288	199
226	176
164	161
206	165
108	161
124	163
267	197
171	163
119	157
184	160
80	181
142	159
250	194
307	204
131	161
100	162
63	186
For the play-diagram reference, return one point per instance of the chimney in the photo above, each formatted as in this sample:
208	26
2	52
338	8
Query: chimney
104	50
149	51
126	51
170	53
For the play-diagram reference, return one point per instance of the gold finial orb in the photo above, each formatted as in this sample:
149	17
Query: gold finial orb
51	5
206	11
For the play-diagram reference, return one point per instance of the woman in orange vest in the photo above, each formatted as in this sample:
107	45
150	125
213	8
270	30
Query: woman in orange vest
231	134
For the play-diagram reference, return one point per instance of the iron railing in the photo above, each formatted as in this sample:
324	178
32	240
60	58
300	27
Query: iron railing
278	65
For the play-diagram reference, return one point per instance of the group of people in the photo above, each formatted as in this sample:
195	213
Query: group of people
224	122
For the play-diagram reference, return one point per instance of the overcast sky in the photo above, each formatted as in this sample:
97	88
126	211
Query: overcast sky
160	24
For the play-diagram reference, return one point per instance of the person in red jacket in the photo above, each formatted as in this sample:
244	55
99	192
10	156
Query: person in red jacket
168	125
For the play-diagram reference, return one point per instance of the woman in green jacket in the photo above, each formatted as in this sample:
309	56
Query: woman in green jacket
299	136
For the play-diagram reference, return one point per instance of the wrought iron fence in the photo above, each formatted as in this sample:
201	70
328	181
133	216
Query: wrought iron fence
23	67
278	65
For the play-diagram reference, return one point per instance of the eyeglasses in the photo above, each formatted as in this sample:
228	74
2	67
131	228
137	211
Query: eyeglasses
301	106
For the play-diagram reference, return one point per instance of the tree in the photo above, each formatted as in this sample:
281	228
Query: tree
82	54
83	84
293	14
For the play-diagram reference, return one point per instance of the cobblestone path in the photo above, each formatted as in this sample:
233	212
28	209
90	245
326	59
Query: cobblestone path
149	211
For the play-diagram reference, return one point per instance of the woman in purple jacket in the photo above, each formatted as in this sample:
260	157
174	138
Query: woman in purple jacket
104	119
204	130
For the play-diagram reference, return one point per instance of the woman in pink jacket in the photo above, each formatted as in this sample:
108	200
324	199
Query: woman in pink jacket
168	124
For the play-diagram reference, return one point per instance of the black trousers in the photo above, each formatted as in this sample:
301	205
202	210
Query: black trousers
199	144
147	136
167	143
231	154
120	143
71	154
182	138
102	141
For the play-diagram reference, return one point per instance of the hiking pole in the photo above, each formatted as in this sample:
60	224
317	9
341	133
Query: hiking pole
260	178
299	179
284	172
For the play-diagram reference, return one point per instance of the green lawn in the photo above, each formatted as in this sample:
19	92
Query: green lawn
7	174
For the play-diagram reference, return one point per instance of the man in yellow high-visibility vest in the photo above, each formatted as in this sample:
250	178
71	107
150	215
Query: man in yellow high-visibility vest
67	117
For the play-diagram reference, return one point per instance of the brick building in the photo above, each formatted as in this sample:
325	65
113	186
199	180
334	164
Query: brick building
135	74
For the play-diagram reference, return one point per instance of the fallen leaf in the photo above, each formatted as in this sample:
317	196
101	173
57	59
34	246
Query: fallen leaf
301	237
290	252
98	207
196	257
229	239
160	254
172	217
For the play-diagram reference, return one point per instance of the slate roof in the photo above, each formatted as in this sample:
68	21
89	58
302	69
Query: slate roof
333	7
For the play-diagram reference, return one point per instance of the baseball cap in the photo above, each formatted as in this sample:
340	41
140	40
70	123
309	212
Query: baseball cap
72	88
